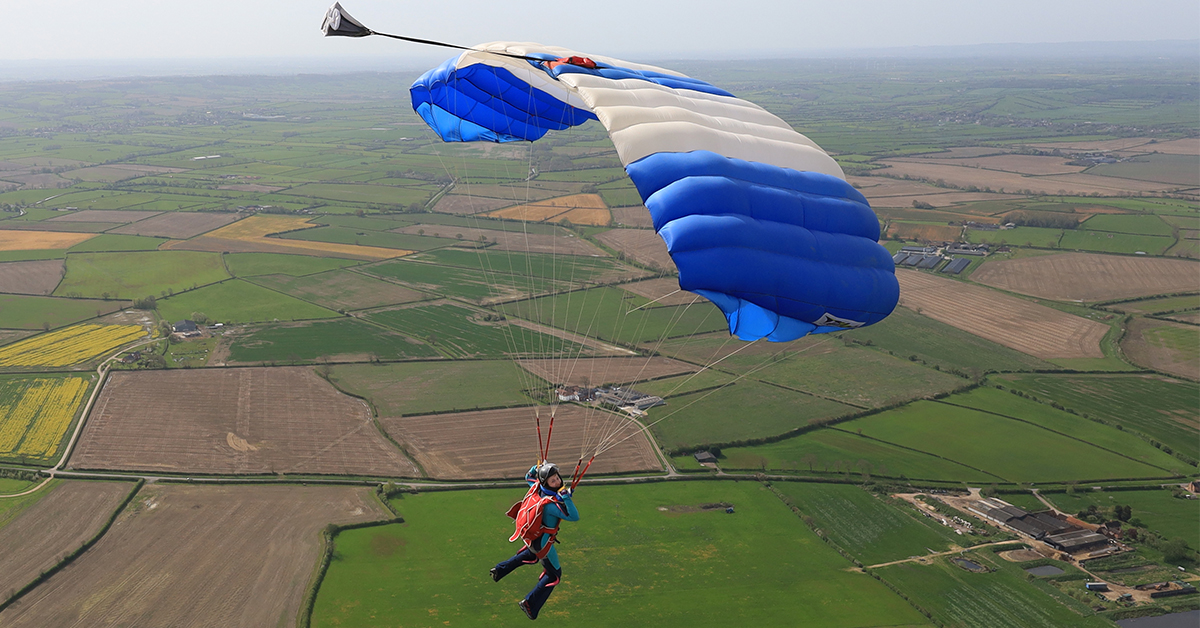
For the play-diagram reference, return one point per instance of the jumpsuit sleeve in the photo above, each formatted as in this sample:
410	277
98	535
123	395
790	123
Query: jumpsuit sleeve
531	476
567	508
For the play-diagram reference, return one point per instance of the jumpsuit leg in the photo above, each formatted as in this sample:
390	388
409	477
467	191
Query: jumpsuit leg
544	587
523	557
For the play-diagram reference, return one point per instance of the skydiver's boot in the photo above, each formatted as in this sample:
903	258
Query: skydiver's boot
496	575
524	604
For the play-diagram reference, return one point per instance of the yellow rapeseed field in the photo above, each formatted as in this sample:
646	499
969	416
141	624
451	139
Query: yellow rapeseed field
67	346
35	413
14	240
255	229
580	209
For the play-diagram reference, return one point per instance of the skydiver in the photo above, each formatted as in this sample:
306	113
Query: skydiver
547	495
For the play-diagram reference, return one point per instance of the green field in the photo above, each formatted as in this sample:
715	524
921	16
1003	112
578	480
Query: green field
458	332
640	555
1015	451
106	242
1159	407
253	264
1158	510
346	235
1104	242
11	507
1153	306
906	333
420	388
401	196
999	599
26	256
831	451
1128	223
1106	437
1040	237
465	283
341	290
239	301
871	528
745	409
573	269
30	312
608	314
341	339
139	274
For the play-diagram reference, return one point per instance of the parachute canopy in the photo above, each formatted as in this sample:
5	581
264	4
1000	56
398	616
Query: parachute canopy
758	219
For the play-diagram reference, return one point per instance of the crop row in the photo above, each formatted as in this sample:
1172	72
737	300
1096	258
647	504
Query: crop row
68	346
37	413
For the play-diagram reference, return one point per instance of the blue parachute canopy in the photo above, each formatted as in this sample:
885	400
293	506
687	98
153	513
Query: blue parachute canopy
758	219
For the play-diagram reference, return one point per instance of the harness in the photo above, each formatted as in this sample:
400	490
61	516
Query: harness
530	527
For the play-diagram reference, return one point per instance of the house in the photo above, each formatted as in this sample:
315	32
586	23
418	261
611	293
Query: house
704	457
185	327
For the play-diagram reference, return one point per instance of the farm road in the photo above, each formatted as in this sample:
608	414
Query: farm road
917	559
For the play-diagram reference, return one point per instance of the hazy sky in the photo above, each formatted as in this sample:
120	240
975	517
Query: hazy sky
174	29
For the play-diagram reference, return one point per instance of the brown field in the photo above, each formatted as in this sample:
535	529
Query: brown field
103	215
1015	323
520	191
1193	318
40	240
250	187
1186	146
57	524
73	227
964	151
1022	164
943	199
517	241
1124	143
877	187
341	289
584	209
641	245
244	420
1013	182
463	204
178	225
183	555
601	371
250	235
118	172
40	277
929	215
636	216
501	443
659	289
1090	276
40	181
13	335
916	231
1149	342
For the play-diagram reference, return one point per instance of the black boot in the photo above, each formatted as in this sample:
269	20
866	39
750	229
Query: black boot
495	574
524	604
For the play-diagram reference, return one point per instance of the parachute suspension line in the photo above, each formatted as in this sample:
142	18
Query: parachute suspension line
671	293
575	479
541	448
549	433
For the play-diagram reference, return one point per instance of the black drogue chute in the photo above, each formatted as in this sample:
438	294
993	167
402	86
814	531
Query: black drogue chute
338	23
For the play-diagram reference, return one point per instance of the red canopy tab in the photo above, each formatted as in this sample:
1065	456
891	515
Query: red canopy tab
582	62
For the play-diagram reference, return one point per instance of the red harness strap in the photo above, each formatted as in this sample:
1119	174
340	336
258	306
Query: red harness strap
529	526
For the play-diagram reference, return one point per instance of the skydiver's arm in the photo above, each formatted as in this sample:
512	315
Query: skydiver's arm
566	507
531	476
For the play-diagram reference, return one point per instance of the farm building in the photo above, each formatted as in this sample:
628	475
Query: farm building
184	327
1076	541
575	393
929	262
982	226
966	248
956	266
704	457
627	397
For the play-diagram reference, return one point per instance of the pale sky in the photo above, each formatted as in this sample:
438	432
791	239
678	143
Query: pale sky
95	30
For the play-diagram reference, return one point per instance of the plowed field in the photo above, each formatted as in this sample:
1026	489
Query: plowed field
641	245
191	556
930	233
461	204
1090	277
1015	323
632	216
514	240
103	215
583	209
57	524
1169	347
178	225
248	420
39	277
502	443
599	371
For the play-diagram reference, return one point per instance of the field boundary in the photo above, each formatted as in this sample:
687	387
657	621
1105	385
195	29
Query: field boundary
70	557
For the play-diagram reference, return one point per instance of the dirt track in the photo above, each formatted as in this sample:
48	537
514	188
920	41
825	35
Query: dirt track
183	555
503	443
56	525
245	420
1015	323
1089	276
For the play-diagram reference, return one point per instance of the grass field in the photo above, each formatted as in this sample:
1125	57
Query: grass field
639	555
31	312
250	235
746	409
68	346
608	314
831	451
871	528
420	388
1159	407
1040	237
1153	306
35	414
1015	451
1105	242
253	264
1103	436
107	243
906	333
138	274
1127	223
383	239
459	332
1159	510
239	301
466	283
341	290
340	339
11	507
998	599
564	268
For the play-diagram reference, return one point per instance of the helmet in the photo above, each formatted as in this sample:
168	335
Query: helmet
547	469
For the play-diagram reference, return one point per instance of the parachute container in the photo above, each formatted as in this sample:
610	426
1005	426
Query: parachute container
758	219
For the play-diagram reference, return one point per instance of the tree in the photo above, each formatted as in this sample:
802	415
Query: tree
1175	551
200	318
809	459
